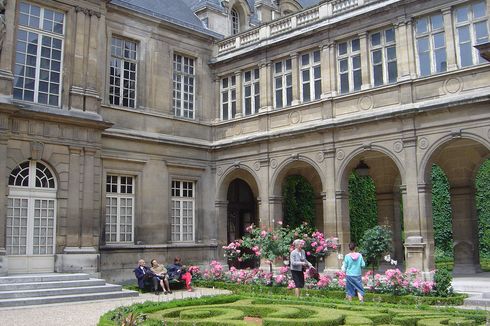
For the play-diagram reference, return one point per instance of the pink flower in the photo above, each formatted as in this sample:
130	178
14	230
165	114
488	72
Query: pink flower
279	279
263	234
313	244
291	284
308	253
255	248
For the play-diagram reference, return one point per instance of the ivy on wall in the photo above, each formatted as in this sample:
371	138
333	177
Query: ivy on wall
362	205
441	213
298	199
483	207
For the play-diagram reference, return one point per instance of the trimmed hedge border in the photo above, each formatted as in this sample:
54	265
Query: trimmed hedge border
455	300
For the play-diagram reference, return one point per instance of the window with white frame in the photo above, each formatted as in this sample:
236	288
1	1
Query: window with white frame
283	84
119	208
251	91
228	97
431	44
183	84
311	78
122	74
349	66
38	55
31	210
235	21
383	57
471	29
183	211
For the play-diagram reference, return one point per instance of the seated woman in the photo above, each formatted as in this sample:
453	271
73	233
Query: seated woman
145	276
161	272
178	272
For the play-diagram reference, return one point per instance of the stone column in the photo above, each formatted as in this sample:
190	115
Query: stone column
327	50
275	208
7	48
365	54
239	101
88	204
295	78
343	219
450	39
465	230
414	244
386	217
265	87
427	228
402	49
397	234
77	88
412	66
92	99
73	230
220	236
3	197
217	92
329	201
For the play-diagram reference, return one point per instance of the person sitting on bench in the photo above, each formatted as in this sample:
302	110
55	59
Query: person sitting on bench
145	276
177	271
161	272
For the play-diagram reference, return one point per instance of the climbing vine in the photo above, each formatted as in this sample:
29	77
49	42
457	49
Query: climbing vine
298	199
362	205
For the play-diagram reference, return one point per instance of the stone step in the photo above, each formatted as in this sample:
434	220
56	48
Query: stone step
50	285
51	277
59	291
66	298
476	301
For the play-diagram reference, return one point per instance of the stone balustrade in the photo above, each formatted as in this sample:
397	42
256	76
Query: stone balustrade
318	13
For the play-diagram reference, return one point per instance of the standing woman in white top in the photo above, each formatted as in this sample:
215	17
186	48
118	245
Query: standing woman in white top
298	265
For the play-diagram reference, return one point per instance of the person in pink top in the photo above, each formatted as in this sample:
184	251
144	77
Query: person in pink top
352	266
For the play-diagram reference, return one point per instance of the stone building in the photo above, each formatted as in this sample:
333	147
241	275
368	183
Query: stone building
156	128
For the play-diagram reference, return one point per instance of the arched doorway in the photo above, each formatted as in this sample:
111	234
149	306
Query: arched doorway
242	209
31	218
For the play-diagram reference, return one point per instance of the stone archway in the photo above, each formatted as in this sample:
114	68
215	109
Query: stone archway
386	176
460	159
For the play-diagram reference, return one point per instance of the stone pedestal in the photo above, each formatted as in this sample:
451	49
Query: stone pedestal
78	260
415	253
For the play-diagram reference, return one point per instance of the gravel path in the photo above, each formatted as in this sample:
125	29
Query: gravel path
86	313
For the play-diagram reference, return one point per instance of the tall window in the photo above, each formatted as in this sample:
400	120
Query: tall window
183	94
235	22
119	215
183	203
349	66
383	57
471	29
283	84
251	92
122	76
228	97
31	210
311	79
431	44
38	55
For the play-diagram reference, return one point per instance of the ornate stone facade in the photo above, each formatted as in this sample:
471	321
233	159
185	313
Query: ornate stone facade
146	160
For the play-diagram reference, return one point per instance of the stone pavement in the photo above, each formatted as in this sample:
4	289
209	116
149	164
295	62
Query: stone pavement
86	313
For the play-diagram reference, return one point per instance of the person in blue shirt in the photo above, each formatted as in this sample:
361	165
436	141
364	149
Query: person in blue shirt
352	266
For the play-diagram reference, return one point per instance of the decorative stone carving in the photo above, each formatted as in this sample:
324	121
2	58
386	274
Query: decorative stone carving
340	155
256	165
294	117
366	102
423	143
398	146
237	129
453	85
273	163
320	156
219	170
37	149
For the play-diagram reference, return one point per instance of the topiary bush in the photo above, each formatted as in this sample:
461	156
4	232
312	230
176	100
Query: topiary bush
376	243
442	282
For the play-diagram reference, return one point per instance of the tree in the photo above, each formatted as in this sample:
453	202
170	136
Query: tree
375	243
362	205
299	205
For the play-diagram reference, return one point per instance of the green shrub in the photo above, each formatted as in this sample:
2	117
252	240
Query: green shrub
375	243
442	283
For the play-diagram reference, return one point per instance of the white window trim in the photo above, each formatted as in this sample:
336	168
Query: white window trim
432	50
42	32
283	75
182	199
349	55
383	46
311	68
229	90
118	195
182	74
252	83
123	59
235	21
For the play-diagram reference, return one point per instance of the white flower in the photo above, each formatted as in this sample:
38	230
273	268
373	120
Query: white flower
394	262
340	257
388	258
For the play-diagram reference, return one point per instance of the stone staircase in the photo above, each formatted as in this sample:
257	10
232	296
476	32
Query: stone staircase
477	287
36	289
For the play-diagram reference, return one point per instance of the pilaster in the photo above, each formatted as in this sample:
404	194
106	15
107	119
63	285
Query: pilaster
366	84
327	51
295	78
449	34
92	98
73	225
7	50
3	204
239	91
402	49
77	88
265	86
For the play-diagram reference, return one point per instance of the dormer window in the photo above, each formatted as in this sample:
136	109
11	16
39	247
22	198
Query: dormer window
235	21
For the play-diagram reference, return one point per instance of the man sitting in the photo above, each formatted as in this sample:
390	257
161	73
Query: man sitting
177	271
145	276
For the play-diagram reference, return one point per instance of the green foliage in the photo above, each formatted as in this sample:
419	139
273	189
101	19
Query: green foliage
299	205
375	243
441	213
442	280
483	207
362	205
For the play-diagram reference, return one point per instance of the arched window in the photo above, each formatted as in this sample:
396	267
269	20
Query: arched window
235	22
31	210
